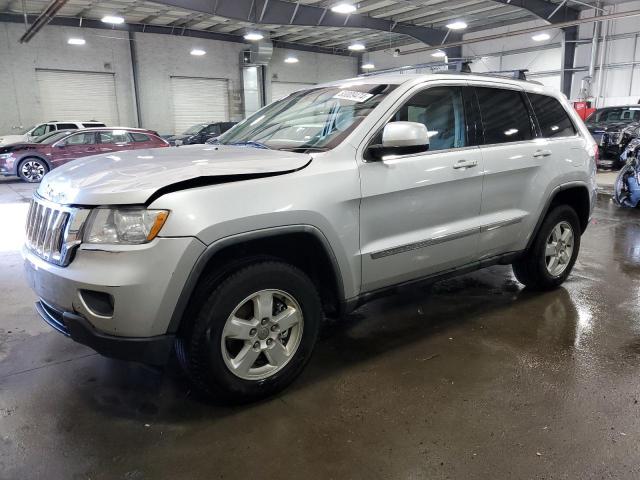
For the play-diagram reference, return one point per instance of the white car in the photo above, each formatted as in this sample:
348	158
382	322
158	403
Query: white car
31	133
316	204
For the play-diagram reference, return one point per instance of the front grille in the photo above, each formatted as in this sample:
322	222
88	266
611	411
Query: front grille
53	231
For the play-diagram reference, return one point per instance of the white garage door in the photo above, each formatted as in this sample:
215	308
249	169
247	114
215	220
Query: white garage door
80	96
199	100
282	89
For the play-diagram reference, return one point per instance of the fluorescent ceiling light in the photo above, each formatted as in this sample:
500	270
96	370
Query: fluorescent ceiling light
113	19
541	37
197	52
76	41
368	66
439	54
343	8
291	60
253	36
458	25
357	47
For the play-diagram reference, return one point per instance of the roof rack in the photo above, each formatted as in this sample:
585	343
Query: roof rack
514	74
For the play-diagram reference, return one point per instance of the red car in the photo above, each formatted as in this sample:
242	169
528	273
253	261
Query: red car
31	161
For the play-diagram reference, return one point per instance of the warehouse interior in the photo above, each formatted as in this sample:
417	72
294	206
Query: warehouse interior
469	376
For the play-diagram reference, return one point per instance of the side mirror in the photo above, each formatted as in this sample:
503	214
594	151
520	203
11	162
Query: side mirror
401	138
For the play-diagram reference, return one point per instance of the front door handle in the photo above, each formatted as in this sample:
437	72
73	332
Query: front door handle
542	153
465	164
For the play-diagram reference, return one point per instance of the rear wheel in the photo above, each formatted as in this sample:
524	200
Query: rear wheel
253	334
553	253
32	170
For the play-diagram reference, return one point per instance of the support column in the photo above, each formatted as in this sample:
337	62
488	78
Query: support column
569	37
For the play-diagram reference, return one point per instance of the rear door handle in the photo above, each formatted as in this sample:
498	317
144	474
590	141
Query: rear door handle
465	164
542	153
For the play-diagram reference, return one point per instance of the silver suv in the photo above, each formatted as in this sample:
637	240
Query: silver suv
233	253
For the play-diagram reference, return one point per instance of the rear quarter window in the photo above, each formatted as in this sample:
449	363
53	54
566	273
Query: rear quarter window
553	119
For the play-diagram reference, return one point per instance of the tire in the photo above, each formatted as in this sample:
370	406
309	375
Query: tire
212	347
535	268
32	169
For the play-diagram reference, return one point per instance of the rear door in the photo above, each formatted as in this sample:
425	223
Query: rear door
419	212
513	159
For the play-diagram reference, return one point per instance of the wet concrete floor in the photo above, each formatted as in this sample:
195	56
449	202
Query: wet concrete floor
473	378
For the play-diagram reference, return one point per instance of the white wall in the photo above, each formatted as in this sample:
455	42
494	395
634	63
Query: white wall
159	57
105	51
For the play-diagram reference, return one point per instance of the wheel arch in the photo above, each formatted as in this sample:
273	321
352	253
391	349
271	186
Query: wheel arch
576	195
304	246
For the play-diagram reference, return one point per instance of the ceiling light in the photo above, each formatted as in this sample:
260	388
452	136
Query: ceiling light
368	66
253	36
541	37
439	54
113	19
343	8
356	47
197	52
76	41
458	25
291	60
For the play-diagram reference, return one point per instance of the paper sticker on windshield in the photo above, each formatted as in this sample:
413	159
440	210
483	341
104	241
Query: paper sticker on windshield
353	96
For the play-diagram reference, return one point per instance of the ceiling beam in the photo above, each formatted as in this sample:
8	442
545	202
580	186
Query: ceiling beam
545	10
280	12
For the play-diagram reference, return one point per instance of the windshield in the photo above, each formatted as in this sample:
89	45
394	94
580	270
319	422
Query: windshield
52	137
317	119
195	129
615	115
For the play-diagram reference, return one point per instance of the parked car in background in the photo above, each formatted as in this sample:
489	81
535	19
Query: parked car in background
200	133
31	133
613	128
32	160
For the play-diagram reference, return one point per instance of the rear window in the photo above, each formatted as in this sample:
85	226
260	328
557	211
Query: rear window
552	117
505	116
139	137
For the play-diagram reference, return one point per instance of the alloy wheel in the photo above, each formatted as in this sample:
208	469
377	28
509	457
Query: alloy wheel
559	248
32	170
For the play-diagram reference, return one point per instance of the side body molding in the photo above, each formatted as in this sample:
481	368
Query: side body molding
215	247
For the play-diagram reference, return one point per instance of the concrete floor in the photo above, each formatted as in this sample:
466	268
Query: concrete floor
473	379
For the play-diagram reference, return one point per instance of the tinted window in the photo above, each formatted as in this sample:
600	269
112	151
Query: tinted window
94	124
552	117
213	129
114	136
441	110
81	139
67	126
139	137
504	116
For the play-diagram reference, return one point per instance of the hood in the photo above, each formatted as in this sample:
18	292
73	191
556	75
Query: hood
13	147
610	127
7	139
134	176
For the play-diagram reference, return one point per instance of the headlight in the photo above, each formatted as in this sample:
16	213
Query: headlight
128	226
4	156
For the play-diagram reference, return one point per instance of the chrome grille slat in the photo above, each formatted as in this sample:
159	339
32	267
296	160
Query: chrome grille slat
53	231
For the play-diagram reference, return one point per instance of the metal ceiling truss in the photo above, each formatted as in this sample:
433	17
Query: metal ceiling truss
551	12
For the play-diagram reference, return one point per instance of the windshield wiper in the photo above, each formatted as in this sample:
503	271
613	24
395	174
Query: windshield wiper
250	143
305	149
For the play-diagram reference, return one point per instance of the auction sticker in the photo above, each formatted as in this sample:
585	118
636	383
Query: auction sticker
353	96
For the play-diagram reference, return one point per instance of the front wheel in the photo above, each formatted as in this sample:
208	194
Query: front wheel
253	334
32	170
553	253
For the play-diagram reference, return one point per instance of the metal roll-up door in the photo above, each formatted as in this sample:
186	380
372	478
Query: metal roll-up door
83	96
199	100
282	89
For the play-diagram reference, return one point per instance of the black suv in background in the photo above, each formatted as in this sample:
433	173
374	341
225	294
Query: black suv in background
613	128
200	133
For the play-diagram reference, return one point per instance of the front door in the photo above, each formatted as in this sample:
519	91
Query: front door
419	212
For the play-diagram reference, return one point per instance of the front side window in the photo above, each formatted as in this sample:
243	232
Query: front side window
441	110
505	116
552	117
81	139
39	130
309	120
213	130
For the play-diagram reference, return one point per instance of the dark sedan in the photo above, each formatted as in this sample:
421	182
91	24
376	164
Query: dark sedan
200	133
613	128
31	161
